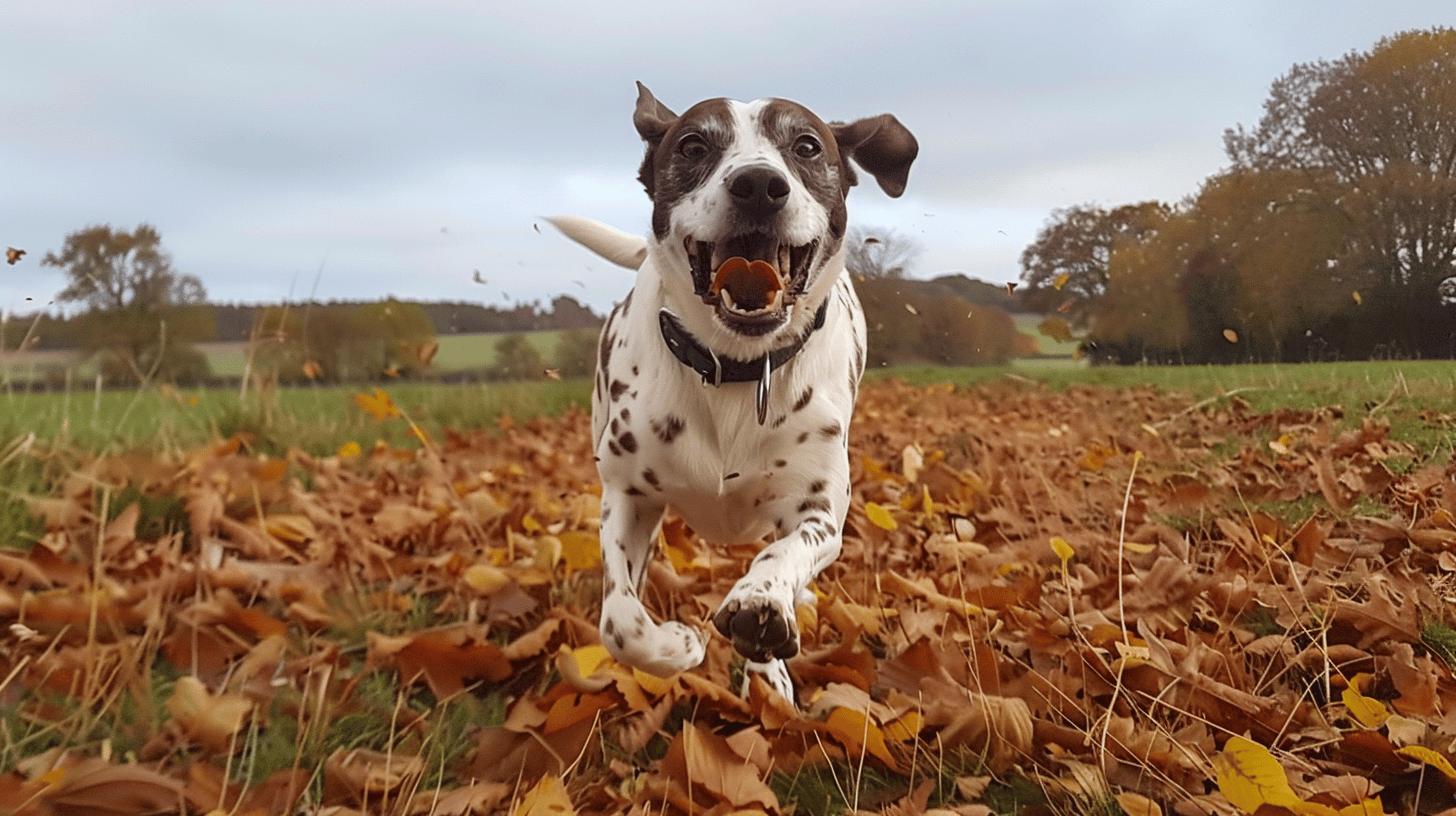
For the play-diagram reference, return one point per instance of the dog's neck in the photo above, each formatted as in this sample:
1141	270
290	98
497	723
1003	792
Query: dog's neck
655	285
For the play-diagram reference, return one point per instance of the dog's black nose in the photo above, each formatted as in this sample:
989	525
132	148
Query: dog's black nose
757	190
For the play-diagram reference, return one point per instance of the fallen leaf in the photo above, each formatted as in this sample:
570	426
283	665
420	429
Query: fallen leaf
547	798
879	516
212	721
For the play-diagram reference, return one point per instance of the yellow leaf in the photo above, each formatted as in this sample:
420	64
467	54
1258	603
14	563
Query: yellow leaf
1063	550
378	405
858	734
581	550
904	728
485	579
1250	777
1231	335
590	658
1355	296
350	450
652	684
1367	711
1283	445
925	503
293	529
548	798
1061	281
1369	807
530	524
879	516
1425	756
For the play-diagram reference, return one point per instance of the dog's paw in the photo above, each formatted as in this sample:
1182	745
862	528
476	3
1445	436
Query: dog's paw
760	625
681	647
661	649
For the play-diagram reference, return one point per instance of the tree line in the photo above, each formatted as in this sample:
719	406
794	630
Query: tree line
142	320
1331	233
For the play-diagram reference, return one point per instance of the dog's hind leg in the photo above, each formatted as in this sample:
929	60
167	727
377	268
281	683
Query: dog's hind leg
629	633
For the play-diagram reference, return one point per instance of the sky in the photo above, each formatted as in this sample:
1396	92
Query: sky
374	149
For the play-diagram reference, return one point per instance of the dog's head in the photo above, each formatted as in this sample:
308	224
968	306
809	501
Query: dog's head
748	204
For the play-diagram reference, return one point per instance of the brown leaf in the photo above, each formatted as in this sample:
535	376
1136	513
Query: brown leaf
96	788
446	659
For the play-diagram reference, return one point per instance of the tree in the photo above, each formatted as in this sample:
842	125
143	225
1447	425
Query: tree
343	342
879	253
911	321
1066	268
1375	133
576	352
516	358
141	314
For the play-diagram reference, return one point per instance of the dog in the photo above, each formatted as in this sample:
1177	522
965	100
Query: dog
726	378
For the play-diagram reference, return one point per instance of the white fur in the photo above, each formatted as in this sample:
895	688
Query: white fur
621	248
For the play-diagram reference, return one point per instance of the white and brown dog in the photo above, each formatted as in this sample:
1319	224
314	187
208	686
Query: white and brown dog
727	377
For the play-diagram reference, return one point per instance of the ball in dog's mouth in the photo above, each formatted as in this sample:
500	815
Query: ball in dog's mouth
746	286
751	279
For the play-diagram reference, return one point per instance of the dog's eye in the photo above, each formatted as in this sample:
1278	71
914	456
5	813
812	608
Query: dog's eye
807	147
692	146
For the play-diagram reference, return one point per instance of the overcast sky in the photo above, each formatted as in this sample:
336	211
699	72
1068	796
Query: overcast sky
402	146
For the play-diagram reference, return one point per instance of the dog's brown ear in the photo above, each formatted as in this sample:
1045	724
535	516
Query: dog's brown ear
652	118
882	146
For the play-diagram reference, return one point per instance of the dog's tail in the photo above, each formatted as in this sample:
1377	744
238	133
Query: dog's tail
621	248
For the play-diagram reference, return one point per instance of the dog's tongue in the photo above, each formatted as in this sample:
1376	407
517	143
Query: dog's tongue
751	284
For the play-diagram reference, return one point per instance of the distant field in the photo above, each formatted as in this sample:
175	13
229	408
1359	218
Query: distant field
458	352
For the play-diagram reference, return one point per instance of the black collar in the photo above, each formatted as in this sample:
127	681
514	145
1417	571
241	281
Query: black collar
716	370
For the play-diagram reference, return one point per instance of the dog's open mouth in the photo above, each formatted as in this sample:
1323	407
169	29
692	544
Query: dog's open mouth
751	280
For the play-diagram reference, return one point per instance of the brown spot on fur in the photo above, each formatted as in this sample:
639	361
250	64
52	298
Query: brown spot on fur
803	401
668	428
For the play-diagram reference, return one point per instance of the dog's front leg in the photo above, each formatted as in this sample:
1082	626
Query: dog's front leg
629	523
758	614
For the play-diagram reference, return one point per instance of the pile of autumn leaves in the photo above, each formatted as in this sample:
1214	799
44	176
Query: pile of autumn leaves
1063	601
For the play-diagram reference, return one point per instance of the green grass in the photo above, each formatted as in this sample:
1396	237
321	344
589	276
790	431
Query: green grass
320	418
464	352
315	419
1440	638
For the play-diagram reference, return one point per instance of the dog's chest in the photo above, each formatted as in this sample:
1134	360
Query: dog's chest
702	451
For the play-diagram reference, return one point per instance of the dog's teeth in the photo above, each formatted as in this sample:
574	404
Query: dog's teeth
785	262
728	300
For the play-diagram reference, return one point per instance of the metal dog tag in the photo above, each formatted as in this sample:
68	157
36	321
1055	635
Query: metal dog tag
765	381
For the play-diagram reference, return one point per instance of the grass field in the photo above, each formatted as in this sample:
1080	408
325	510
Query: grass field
274	625
320	418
